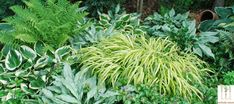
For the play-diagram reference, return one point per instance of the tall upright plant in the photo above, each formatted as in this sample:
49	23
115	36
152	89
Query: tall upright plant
54	22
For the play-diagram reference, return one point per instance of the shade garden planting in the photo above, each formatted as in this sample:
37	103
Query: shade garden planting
60	52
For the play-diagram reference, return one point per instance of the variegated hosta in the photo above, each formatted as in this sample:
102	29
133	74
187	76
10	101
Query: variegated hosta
150	61
30	69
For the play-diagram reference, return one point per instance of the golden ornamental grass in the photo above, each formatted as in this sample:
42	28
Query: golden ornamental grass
153	61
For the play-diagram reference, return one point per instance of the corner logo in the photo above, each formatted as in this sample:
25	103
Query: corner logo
226	94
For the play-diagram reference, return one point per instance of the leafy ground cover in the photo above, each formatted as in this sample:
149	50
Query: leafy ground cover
63	56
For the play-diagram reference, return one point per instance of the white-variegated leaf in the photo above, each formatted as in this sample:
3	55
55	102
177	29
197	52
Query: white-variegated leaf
41	62
13	60
59	53
28	53
39	47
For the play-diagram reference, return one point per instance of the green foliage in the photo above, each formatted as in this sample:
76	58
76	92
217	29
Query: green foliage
150	61
109	24
229	78
182	31
224	49
179	5
143	94
4	7
53	22
76	89
25	70
126	23
95	6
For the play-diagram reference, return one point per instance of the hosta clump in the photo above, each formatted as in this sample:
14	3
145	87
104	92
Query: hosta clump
54	27
137	60
78	88
181	30
224	49
127	23
25	70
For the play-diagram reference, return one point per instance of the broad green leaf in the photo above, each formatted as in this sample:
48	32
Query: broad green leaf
206	50
39	47
59	53
41	62
36	84
28	53
67	72
172	13
47	93
198	51
125	18
67	98
223	12
13	60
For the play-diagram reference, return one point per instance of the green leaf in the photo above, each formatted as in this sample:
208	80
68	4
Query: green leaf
172	13
67	72
36	84
206	50
223	12
125	18
41	62
13	60
198	51
28	53
67	98
59	53
47	93
39	47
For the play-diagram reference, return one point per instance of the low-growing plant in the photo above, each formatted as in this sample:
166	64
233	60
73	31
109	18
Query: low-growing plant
143	94
54	22
181	30
76	88
137	60
228	78
24	71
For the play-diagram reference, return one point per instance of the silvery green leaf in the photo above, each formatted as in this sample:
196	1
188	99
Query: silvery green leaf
91	93
68	99
13	60
47	93
28	53
206	50
172	13
198	51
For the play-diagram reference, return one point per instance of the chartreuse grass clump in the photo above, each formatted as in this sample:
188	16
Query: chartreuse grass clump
138	60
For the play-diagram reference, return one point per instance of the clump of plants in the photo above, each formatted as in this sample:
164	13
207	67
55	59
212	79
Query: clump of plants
180	29
138	60
54	27
224	50
77	88
24	71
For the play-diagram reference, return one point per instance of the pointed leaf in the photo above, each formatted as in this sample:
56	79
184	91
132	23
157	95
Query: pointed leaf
13	60
28	53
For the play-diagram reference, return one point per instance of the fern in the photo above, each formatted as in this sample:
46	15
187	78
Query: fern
53	22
